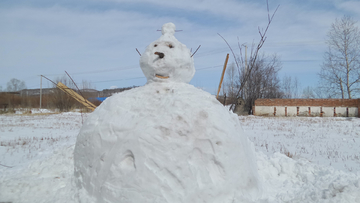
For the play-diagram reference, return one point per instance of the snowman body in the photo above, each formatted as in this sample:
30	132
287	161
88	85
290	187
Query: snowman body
164	142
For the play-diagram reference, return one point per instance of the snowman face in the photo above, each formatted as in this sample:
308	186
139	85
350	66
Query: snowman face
166	60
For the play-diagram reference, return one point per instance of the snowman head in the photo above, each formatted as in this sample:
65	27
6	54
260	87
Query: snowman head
166	59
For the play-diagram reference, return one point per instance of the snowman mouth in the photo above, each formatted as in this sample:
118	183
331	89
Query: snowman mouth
161	76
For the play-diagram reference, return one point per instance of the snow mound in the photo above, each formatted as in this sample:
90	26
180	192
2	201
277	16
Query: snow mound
289	180
164	142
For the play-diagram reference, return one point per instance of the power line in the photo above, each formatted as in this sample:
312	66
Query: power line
199	55
211	52
267	44
97	71
209	67
135	78
101	71
118	79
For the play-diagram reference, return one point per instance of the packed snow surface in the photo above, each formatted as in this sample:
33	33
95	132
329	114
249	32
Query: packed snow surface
42	167
181	146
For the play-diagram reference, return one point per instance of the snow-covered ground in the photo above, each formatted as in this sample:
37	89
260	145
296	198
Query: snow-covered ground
326	141
325	164
36	157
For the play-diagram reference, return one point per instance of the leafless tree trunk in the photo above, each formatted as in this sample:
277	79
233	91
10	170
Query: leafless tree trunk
245	86
340	72
15	85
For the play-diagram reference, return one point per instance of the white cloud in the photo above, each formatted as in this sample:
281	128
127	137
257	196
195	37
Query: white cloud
350	7
49	40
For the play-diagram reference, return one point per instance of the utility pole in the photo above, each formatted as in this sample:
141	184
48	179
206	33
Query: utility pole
246	72
40	89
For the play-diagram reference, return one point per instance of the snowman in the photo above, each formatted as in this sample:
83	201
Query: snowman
164	142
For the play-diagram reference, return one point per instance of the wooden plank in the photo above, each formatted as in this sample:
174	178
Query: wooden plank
76	96
222	75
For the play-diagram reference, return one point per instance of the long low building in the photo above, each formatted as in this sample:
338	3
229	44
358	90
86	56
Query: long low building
307	107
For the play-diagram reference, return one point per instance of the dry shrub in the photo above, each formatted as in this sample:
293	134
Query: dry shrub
288	154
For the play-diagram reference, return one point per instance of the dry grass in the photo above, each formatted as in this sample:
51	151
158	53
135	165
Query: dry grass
31	141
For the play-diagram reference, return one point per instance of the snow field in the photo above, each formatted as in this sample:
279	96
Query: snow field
24	138
326	141
47	175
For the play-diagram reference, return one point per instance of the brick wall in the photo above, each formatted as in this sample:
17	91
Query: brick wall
309	103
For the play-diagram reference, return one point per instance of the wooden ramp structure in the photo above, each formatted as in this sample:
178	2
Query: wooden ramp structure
76	96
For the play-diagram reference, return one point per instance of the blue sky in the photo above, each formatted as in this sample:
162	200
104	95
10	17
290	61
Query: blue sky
95	40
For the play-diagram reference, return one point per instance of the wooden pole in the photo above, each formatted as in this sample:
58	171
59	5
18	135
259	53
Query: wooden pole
76	96
222	75
40	90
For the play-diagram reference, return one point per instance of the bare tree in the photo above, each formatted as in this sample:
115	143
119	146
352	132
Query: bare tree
320	93
60	100
296	87
286	87
15	85
245	69
340	71
290	87
231	78
86	85
308	93
89	92
263	81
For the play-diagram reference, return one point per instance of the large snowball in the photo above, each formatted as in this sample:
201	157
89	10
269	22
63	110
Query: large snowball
164	142
166	59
